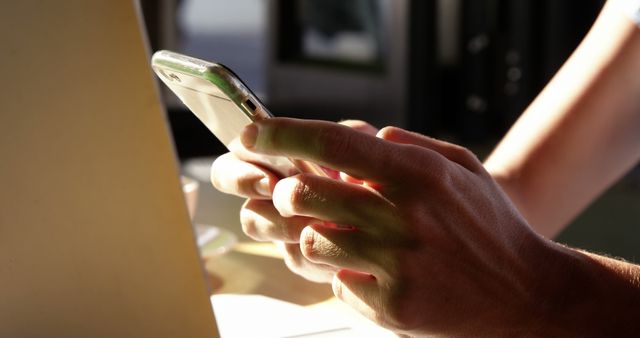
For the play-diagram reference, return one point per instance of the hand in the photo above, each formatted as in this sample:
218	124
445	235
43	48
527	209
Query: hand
242	173
433	244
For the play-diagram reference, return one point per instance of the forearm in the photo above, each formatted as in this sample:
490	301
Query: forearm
580	134
589	295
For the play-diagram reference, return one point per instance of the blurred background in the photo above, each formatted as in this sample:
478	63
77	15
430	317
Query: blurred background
460	70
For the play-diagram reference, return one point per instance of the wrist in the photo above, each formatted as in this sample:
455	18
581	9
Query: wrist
522	189
582	294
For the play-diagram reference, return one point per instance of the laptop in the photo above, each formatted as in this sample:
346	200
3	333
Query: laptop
95	238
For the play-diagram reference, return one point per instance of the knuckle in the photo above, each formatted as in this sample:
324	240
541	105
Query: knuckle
255	223
261	227
245	185
420	165
360	126
388	132
467	155
301	194
466	158
249	224
308	241
335	142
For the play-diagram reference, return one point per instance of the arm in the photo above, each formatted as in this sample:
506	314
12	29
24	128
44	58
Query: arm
582	132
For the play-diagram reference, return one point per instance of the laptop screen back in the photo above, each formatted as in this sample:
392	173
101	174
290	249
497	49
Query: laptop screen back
95	239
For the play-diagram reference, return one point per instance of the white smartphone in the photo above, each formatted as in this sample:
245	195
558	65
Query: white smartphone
221	101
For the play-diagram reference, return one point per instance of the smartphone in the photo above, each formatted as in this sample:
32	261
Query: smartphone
222	102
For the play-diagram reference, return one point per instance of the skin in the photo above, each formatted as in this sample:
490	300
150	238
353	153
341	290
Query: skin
431	244
419	236
581	133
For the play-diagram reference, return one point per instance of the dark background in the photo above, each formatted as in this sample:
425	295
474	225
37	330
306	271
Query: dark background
504	52
473	66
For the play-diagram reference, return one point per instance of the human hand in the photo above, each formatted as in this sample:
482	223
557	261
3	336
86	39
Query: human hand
434	245
242	173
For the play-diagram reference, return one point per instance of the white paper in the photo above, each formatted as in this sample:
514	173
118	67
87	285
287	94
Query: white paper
242	316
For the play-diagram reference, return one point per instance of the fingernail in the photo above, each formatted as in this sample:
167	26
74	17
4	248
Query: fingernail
249	136
263	187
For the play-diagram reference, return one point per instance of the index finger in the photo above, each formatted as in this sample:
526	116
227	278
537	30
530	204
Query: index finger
325	143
